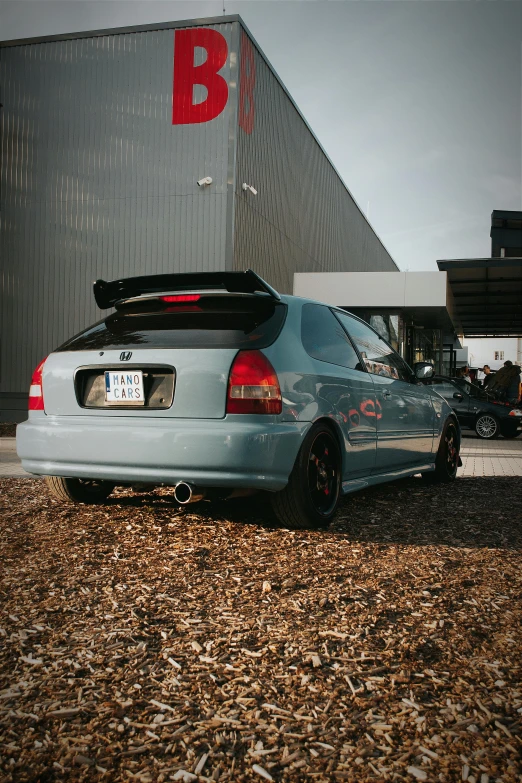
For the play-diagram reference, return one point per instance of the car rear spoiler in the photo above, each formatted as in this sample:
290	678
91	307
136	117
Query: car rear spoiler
107	294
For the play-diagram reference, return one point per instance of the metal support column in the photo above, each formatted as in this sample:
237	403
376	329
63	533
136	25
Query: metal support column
440	368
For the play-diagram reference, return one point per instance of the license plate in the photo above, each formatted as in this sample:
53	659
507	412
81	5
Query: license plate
124	388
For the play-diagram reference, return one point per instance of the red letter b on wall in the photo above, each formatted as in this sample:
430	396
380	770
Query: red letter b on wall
186	75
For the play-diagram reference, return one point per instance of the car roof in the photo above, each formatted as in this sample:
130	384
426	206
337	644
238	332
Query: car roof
301	300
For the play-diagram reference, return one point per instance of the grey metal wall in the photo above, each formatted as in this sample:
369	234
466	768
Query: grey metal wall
303	218
97	182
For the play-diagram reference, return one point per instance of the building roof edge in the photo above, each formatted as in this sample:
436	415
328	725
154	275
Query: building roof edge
139	28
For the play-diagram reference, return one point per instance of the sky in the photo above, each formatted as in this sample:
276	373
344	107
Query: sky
418	103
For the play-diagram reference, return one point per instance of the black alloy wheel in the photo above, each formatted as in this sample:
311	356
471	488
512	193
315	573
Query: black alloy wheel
447	459
450	439
323	473
311	496
487	426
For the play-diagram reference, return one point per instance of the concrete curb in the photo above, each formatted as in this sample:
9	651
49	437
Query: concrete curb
8	444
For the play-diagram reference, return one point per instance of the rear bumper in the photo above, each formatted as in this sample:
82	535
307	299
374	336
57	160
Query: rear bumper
230	452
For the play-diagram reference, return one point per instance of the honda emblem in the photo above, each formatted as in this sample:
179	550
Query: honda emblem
125	356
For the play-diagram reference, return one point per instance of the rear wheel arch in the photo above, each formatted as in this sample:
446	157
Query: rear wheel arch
311	496
334	427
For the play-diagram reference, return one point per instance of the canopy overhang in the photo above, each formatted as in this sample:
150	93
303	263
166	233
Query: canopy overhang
422	297
486	295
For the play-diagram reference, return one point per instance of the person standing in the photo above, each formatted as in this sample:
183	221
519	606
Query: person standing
513	388
463	374
506	383
488	376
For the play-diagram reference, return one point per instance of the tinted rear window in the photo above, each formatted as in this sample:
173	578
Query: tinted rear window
227	324
324	338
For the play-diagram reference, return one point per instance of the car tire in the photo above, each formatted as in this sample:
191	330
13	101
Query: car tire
311	497
510	432
71	490
447	459
487	426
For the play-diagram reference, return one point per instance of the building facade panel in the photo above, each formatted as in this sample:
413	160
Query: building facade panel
104	136
303	218
97	181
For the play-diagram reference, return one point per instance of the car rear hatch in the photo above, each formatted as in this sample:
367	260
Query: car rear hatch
169	355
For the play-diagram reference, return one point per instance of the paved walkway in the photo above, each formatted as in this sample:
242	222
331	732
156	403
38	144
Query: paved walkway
479	457
10	466
490	457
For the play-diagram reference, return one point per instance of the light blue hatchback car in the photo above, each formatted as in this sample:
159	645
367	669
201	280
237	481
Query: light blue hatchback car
216	384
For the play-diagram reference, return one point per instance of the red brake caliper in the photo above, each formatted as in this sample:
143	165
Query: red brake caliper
315	460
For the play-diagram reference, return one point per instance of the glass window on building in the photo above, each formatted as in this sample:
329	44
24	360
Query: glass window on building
426	345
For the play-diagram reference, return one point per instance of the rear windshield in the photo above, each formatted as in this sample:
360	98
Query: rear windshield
224	324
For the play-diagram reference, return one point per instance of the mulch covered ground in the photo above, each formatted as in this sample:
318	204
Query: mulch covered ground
141	641
7	429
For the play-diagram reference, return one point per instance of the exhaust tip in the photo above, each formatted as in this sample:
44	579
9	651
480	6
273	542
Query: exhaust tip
183	492
186	493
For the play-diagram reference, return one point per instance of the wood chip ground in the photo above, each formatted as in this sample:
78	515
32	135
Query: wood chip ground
140	641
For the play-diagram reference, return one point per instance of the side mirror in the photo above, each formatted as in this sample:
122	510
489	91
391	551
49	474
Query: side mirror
423	371
458	396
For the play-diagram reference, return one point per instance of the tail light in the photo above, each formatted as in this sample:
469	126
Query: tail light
253	386
36	400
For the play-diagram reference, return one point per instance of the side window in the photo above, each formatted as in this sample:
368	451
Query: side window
464	387
379	358
324	338
475	392
446	390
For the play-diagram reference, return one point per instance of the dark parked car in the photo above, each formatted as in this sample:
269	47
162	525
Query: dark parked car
477	410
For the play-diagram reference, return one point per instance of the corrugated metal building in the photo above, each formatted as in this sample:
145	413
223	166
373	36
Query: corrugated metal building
104	138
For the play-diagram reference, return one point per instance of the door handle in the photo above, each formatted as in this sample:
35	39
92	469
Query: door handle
386	394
